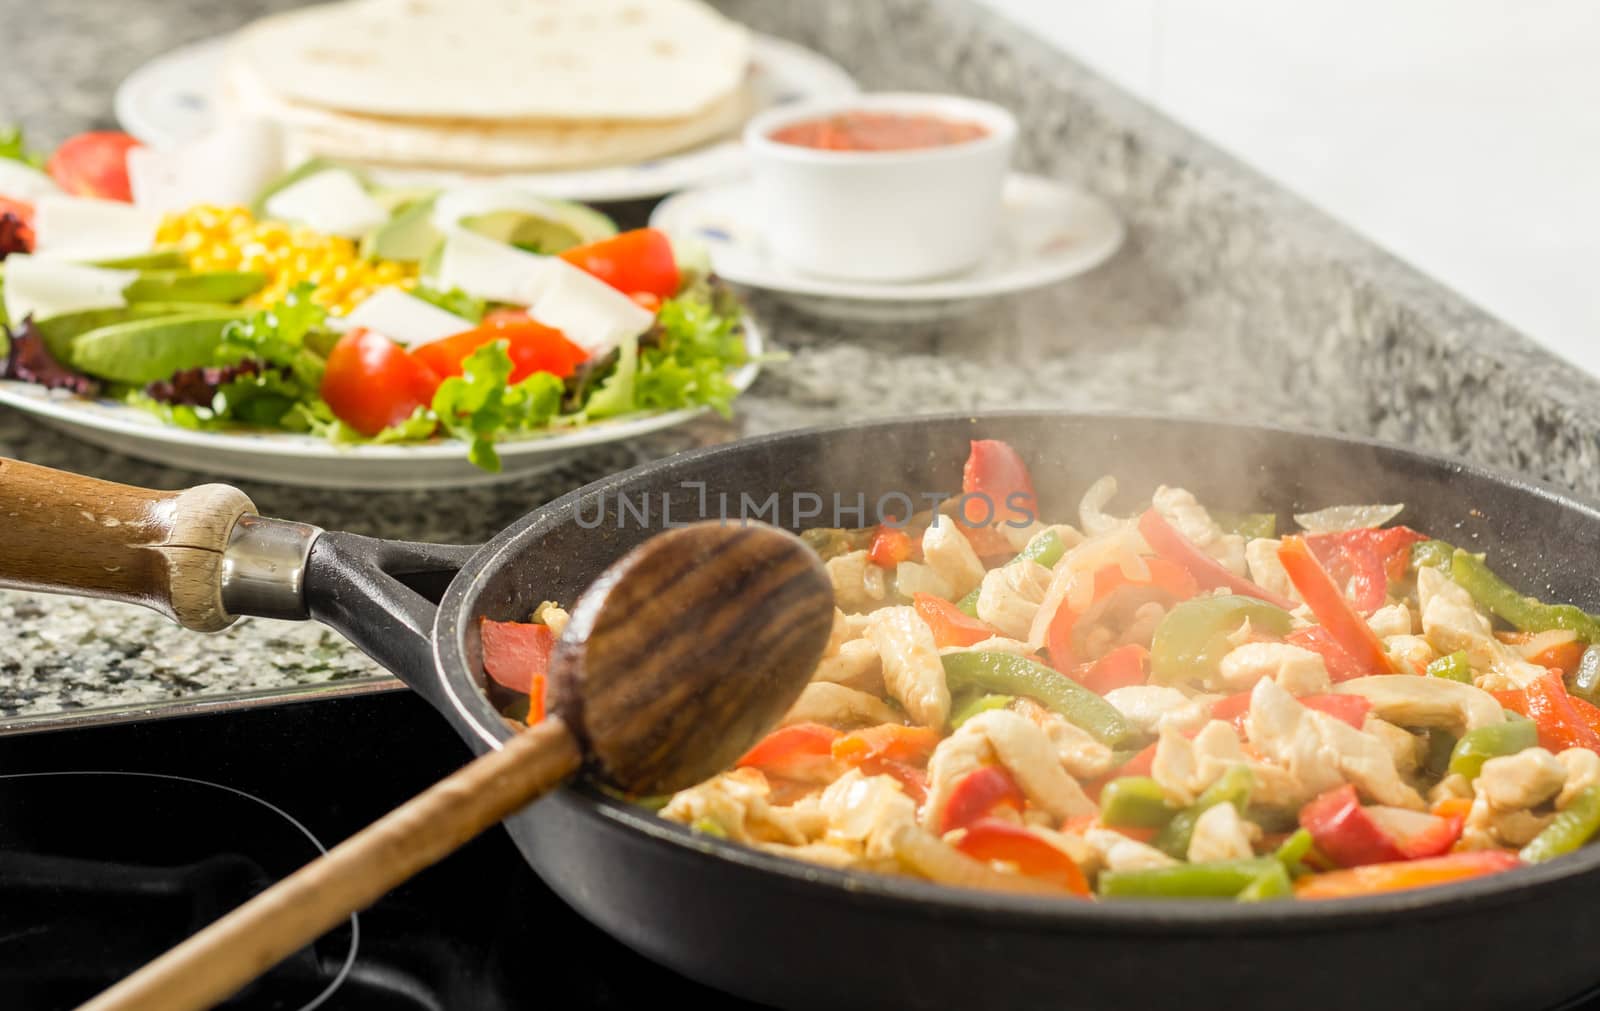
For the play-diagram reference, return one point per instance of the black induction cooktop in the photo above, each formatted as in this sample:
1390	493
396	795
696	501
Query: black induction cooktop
118	841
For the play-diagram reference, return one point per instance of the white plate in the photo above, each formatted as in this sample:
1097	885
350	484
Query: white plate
309	461
168	100
1050	231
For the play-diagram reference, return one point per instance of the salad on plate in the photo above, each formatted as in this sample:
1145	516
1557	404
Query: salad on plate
192	283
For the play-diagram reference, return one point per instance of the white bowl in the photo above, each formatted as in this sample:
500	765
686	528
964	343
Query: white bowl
882	215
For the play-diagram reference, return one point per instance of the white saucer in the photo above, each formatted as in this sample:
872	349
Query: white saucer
1050	231
171	99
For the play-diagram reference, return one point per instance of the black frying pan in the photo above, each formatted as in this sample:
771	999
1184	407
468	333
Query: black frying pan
796	935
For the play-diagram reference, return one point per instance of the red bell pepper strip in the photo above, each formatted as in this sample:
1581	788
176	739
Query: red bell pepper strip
1354	566
1168	577
1340	664
977	794
1165	540
1365	560
891	741
23	239
516	652
1317	588
1587	711
803	751
996	486
1395	877
951	626
1563	656
993	839
1120	668
1351	835
1560	723
890	546
1351	709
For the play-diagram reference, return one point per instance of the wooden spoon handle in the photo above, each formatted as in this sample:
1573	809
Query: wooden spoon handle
65	533
220	959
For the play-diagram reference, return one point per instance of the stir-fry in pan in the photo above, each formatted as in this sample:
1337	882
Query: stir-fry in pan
1178	703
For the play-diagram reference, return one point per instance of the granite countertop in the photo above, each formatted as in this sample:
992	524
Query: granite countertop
1231	298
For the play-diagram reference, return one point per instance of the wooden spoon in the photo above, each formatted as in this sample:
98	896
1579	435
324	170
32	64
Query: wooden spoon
675	661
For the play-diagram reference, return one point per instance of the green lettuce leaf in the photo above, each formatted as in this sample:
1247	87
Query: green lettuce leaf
481	405
286	334
13	148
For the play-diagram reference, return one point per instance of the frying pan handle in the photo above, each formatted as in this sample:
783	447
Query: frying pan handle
382	596
65	533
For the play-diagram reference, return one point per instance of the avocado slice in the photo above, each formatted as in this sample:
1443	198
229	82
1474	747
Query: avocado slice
408	235
569	225
140	351
58	332
187	286
304	170
157	259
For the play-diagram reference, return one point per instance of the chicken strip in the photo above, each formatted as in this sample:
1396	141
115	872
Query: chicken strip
835	705
1116	852
1027	752
856	665
1180	508
1452	622
865	812
1010	595
858	585
1220	834
948	552
1412	700
911	668
1297	671
1261	557
736	802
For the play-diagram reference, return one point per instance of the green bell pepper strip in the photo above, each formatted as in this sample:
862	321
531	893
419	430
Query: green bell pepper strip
1192	638
1526	613
975	705
1431	555
1232	787
1273	883
1005	674
1046	548
1135	802
1249	525
1292	852
1216	879
1454	667
1570	829
1480	745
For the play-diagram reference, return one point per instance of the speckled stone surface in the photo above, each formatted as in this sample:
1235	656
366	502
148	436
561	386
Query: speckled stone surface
1232	298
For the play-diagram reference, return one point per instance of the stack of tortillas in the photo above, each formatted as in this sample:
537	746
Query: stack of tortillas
493	85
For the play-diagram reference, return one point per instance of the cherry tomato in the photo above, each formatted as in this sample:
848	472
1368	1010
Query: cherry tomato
533	347
371	382
633	262
93	165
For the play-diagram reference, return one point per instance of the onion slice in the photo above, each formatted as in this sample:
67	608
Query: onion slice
1337	519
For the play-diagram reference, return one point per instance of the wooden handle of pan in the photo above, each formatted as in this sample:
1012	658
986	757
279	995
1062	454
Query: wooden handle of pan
65	533
220	959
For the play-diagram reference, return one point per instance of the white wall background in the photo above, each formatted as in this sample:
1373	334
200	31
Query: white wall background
1464	135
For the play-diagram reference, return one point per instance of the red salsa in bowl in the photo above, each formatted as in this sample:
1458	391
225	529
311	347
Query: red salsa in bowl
863	130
